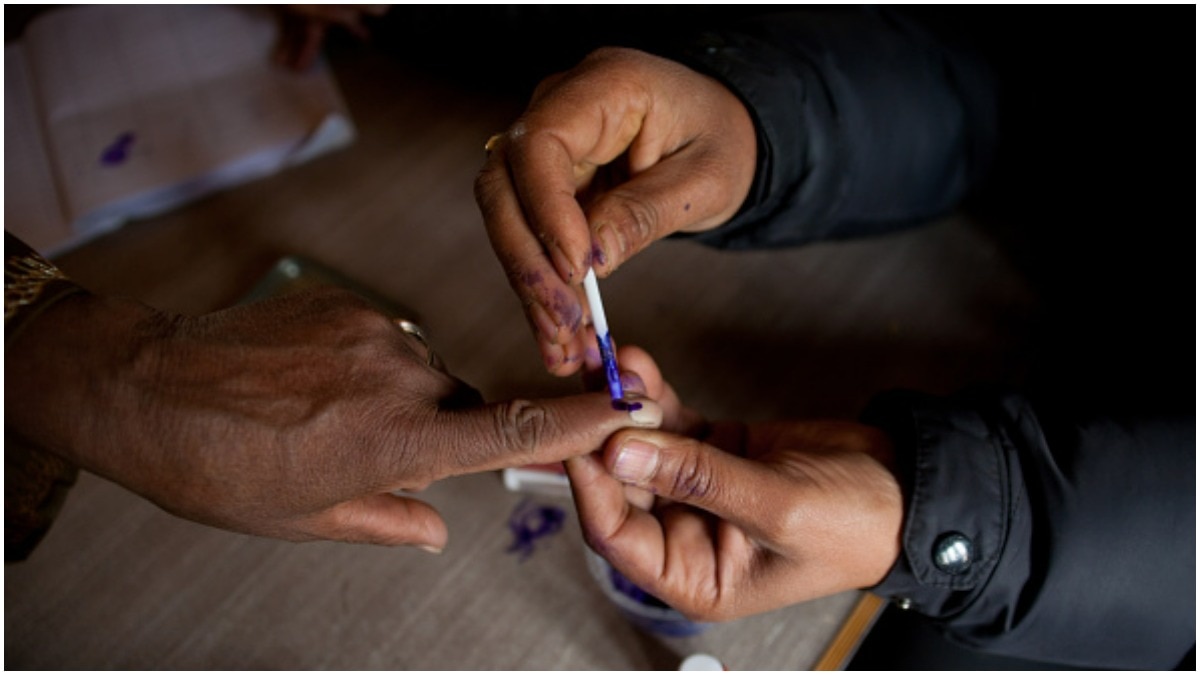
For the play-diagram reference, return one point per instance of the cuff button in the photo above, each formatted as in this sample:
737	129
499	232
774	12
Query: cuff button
953	553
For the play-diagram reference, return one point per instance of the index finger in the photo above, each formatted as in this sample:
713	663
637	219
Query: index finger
678	555
554	152
514	433
550	304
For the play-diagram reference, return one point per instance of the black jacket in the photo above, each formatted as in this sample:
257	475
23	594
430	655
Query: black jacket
1075	507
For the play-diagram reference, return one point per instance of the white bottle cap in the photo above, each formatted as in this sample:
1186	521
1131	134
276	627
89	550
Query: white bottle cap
701	662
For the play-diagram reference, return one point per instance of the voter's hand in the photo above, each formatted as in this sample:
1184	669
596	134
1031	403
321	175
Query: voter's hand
299	418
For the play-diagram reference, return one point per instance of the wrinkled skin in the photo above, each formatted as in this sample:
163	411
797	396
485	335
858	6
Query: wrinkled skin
726	520
622	150
295	418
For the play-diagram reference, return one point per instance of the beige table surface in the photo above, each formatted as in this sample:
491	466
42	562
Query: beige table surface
814	331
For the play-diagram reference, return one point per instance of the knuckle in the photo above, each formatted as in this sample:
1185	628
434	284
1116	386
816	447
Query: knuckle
692	477
633	221
341	304
715	179
784	522
595	540
702	603
489	183
521	425
613	55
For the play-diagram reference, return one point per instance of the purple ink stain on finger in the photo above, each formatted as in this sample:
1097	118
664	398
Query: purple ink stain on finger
568	309
626	405
631	382
118	151
531	521
598	254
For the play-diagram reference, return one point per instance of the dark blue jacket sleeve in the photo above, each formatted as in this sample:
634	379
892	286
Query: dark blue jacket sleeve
866	122
1079	532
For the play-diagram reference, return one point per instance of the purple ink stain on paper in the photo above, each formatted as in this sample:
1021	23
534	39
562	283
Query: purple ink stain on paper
531	521
117	152
610	368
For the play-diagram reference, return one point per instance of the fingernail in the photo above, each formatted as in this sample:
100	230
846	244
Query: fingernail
636	462
430	549
608	246
644	413
630	382
562	263
571	354
552	355
545	325
598	257
569	310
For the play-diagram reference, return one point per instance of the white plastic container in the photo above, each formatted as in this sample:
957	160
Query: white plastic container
642	609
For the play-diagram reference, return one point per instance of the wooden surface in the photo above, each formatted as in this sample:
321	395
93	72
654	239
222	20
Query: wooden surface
814	331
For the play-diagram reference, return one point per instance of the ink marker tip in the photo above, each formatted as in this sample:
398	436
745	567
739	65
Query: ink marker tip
592	288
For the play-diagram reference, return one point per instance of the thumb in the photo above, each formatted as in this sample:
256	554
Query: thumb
686	470
520	432
386	520
683	192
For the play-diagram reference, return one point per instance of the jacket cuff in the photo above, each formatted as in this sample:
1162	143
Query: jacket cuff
959	488
773	92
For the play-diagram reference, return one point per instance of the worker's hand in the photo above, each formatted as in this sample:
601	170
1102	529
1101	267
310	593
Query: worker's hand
611	156
304	27
747	518
296	418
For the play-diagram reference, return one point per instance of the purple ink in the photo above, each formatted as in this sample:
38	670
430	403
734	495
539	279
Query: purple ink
531	521
598	254
610	368
116	153
626	405
568	309
687	206
603	339
631	382
638	605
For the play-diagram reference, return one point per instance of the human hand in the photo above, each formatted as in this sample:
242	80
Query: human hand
748	518
611	156
304	28
295	418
